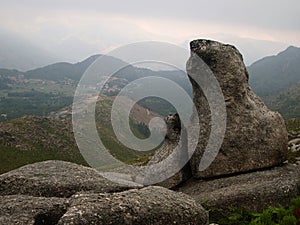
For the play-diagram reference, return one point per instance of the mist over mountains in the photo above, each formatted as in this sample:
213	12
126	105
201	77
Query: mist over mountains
17	52
21	54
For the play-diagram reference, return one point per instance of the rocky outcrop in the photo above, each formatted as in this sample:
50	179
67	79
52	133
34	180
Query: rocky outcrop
57	192
294	145
172	139
252	191
294	141
55	179
255	137
147	206
83	196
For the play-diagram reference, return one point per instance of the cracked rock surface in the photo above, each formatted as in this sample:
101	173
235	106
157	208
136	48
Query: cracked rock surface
57	192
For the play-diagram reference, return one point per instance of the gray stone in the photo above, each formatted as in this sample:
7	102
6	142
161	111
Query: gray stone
55	179
251	191
255	137
294	145
151	205
20	209
85	197
172	140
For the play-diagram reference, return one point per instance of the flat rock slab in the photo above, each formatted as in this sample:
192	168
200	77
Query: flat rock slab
20	209
151	205
55	179
252	191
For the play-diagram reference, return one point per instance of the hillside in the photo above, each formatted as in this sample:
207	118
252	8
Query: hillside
276	79
275	73
67	71
32	139
287	102
50	88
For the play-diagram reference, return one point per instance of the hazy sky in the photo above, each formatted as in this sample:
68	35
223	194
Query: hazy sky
75	29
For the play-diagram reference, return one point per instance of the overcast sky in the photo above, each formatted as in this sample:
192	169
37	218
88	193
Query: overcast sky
75	29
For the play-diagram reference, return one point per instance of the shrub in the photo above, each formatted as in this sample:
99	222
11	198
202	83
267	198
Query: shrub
270	216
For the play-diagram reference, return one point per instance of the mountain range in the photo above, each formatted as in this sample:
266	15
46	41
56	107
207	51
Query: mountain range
276	79
49	88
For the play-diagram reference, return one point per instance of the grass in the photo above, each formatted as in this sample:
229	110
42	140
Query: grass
35	98
292	157
106	133
40	139
67	90
13	158
270	216
34	139
293	125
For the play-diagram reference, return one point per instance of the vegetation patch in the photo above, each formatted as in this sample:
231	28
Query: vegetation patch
107	135
270	216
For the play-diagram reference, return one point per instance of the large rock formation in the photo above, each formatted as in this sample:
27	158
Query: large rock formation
57	192
255	137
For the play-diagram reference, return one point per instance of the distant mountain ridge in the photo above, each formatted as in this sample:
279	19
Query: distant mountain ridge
49	88
61	70
276	79
275	73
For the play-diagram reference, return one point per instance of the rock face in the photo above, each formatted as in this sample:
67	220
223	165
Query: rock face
172	139
147	206
255	137
83	196
252	191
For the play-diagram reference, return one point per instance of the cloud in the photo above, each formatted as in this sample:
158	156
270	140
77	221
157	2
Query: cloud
265	14
101	25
